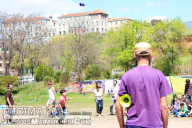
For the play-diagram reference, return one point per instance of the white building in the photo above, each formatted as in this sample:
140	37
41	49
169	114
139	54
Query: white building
95	21
114	23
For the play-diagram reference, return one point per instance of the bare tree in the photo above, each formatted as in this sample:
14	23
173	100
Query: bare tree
24	36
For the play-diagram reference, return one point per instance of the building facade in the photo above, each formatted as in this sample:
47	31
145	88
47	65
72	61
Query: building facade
95	21
116	22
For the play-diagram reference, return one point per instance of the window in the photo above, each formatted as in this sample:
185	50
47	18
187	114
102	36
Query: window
97	29
93	29
102	29
59	32
64	33
31	35
92	23
105	24
59	26
96	22
116	23
102	22
105	30
53	34
63	25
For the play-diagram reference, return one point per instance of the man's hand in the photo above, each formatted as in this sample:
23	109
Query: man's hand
15	103
10	106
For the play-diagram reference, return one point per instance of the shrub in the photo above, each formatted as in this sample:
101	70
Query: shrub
65	77
4	80
42	71
57	76
190	50
92	72
118	76
57	88
107	74
47	79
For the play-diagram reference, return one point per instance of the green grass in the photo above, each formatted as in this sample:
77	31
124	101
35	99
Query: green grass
28	92
76	103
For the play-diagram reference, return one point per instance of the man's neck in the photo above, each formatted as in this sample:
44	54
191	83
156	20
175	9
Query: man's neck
143	62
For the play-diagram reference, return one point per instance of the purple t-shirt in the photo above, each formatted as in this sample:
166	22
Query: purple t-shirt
145	85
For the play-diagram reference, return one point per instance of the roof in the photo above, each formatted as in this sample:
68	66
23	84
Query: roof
97	11
124	18
40	18
75	14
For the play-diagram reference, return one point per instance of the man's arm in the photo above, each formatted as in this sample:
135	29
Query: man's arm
53	89
164	111
119	111
185	90
10	105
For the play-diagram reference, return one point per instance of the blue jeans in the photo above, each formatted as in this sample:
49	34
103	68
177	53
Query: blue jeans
183	115
59	114
127	126
175	111
99	106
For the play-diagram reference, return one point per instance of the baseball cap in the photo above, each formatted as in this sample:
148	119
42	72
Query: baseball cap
143	49
49	83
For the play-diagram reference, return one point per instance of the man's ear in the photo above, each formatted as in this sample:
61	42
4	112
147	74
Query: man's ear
135	55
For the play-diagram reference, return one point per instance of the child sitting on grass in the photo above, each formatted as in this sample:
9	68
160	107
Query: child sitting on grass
175	106
183	112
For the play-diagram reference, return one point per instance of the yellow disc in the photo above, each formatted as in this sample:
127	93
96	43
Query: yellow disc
125	100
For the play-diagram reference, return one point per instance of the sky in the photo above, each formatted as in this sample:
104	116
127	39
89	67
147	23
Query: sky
134	9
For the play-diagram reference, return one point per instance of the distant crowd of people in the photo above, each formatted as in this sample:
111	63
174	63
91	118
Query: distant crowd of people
182	107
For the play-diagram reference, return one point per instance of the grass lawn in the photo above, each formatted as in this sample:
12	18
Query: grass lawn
77	102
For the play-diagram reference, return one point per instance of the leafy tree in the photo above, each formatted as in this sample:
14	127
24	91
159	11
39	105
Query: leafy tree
165	38
122	42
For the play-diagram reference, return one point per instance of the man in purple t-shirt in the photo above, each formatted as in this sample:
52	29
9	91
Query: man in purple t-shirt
147	88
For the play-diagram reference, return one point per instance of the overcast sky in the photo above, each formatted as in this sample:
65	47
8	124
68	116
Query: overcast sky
134	9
